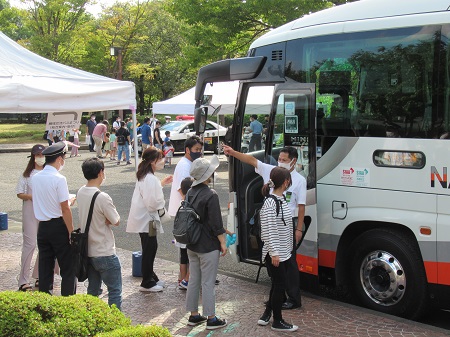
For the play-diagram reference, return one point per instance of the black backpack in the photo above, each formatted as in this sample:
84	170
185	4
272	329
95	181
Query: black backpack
121	139
187	227
255	221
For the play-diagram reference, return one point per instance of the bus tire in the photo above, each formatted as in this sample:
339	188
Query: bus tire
387	273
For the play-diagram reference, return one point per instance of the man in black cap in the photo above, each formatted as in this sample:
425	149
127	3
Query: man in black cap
51	205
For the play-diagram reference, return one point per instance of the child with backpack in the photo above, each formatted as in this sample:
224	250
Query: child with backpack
276	235
107	146
183	276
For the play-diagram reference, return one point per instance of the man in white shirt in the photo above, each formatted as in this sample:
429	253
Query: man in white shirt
51	205
104	265
296	199
116	123
192	150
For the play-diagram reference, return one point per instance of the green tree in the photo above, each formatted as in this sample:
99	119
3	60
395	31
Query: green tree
221	29
59	29
12	21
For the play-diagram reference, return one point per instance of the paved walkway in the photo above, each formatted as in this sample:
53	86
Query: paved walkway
239	301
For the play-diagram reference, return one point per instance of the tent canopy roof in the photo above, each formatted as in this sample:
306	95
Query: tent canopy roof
30	83
223	93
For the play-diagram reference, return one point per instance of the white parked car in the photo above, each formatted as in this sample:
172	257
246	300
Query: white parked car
182	130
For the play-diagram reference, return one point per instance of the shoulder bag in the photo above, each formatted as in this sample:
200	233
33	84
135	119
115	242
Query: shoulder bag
79	245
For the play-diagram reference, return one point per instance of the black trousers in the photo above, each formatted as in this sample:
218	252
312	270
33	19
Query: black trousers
255	143
293	281
53	242
149	247
279	276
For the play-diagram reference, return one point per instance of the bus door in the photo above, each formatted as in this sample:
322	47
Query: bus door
290	121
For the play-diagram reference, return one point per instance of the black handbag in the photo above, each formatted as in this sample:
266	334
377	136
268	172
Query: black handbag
71	139
79	245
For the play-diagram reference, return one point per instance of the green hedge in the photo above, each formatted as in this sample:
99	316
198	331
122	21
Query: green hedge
33	314
138	331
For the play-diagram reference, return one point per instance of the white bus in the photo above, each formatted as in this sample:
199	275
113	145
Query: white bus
362	91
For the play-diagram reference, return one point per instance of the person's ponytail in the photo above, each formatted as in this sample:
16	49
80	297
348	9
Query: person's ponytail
266	188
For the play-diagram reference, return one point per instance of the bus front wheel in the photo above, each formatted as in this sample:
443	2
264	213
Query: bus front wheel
387	273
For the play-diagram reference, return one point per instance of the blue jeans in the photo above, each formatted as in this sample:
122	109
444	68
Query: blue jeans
108	270
123	148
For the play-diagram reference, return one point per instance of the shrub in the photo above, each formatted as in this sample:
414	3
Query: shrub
37	314
137	331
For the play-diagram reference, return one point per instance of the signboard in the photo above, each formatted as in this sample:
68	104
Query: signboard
63	120
291	124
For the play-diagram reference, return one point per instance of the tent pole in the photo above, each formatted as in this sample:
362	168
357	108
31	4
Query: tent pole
136	153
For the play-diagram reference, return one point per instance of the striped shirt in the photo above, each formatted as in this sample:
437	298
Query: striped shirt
276	233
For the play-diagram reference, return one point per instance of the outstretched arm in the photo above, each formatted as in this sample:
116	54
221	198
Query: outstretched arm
245	158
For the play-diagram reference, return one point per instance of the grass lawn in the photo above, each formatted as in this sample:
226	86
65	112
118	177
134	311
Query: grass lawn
25	133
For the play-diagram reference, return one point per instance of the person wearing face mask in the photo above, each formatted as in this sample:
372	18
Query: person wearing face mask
147	208
51	204
296	199
29	221
192	150
104	265
276	234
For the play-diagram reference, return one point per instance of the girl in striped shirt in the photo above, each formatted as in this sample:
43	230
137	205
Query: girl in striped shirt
276	234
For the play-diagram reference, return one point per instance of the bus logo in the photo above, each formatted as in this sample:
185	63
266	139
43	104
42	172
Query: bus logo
442	179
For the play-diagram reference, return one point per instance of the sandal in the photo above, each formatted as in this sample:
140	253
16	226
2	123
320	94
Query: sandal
25	287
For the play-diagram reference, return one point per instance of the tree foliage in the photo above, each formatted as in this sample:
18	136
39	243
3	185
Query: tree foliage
163	42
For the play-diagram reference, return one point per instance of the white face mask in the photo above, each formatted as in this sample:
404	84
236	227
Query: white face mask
62	166
159	165
287	166
39	161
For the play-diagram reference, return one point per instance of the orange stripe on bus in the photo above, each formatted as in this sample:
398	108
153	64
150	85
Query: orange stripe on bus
327	258
307	264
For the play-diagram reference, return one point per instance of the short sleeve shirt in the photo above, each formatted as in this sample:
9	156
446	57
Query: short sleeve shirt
296	194
182	170
101	238
49	191
256	127
145	133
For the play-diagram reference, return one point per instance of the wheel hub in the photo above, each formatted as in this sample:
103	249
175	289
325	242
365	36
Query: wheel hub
382	278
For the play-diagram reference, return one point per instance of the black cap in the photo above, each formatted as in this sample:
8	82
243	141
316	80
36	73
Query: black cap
36	149
55	149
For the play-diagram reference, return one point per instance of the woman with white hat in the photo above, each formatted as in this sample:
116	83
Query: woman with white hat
204	255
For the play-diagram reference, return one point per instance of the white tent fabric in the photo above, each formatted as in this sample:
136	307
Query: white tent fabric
223	93
30	83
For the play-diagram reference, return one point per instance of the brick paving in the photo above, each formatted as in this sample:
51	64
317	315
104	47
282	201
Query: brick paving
239	301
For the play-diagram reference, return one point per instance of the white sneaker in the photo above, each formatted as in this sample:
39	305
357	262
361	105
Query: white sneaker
153	289
161	283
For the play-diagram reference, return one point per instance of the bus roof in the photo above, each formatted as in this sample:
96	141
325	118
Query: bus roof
332	20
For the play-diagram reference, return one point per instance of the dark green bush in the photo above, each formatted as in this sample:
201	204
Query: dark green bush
137	331
38	314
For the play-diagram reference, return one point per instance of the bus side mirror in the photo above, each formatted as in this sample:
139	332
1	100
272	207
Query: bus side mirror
200	115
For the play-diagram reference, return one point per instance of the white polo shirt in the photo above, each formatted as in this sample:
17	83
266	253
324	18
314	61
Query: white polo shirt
182	170
49	191
295	195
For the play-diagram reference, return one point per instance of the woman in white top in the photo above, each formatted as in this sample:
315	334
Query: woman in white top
277	238
29	221
147	206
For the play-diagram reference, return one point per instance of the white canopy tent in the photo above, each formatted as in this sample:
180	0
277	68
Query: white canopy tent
223	93
30	83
